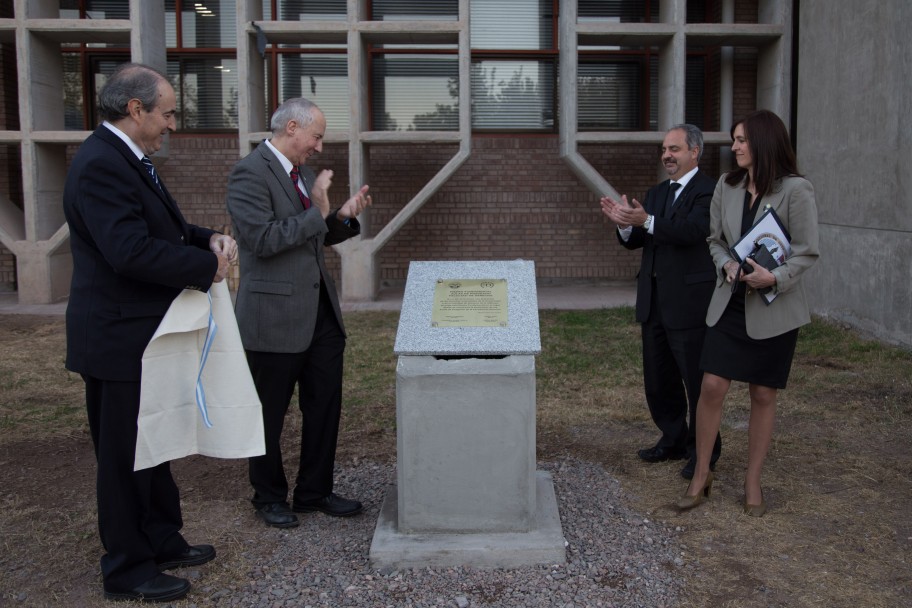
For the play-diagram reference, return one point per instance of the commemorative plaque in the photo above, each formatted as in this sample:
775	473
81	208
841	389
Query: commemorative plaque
470	303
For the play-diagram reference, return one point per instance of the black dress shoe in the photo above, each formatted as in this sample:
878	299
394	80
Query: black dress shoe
661	454
161	588
277	515
331	505
193	556
688	471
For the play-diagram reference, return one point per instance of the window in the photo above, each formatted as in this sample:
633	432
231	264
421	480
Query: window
608	95
622	11
94	9
513	95
206	88
317	72
415	92
617	87
695	92
201	62
201	39
297	10
73	97
531	25
321	78
414	87
400	10
513	73
514	69
85	64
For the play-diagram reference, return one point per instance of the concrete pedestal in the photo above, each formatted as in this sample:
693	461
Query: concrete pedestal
466	444
467	492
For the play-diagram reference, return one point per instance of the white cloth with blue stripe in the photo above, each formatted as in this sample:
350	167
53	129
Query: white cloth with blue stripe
197	395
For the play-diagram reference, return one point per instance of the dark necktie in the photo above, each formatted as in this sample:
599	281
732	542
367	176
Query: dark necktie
295	174
670	201
151	169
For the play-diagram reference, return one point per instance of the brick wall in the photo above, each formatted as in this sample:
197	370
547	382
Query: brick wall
514	198
196	174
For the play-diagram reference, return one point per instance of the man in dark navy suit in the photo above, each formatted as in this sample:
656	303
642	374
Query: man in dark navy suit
133	253
674	286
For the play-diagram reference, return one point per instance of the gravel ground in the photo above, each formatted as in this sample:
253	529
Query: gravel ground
615	557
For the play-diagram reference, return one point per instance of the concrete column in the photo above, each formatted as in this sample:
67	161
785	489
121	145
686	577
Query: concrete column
147	33
726	85
251	77
774	64
147	46
43	261
43	270
672	66
360	274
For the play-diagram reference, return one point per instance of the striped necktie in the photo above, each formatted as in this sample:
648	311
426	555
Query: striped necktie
151	169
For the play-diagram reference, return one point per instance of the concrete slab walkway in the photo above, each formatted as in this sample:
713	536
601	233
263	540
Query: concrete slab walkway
568	295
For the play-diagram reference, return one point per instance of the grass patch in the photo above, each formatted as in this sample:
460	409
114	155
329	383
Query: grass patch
837	477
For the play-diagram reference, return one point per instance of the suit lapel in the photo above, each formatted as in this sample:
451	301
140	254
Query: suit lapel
104	133
659	209
161	192
773	200
734	207
292	198
681	201
284	179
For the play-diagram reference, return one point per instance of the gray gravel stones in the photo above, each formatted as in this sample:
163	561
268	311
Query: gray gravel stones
616	557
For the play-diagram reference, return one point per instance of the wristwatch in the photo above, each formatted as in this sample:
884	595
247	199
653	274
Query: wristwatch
648	223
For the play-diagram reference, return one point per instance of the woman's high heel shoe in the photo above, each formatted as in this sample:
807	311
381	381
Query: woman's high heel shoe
755	510
689	502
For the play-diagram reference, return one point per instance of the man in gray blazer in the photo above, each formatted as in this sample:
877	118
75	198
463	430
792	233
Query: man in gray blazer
287	307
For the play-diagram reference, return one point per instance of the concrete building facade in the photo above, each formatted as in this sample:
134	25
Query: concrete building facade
854	100
471	189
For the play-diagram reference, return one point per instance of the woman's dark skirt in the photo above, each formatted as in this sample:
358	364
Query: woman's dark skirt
730	353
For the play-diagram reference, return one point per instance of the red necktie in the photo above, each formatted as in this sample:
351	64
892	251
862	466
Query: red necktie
294	178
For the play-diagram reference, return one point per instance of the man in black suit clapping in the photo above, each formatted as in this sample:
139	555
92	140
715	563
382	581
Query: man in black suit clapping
674	285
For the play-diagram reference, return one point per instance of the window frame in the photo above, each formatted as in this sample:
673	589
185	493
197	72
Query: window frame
89	56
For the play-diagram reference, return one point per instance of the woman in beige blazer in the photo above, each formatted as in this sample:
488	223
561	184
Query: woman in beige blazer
749	340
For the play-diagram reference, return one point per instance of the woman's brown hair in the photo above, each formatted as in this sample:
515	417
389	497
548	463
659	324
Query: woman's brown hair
770	148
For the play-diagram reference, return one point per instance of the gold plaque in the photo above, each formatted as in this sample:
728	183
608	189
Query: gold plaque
470	303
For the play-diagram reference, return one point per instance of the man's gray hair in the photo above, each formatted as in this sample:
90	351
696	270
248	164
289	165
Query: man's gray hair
692	135
129	81
303	111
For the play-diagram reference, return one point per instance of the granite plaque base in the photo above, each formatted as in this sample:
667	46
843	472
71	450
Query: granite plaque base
467	491
543	544
466	444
